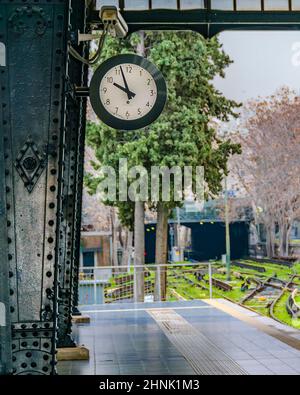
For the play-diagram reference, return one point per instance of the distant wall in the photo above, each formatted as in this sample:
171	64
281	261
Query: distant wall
208	240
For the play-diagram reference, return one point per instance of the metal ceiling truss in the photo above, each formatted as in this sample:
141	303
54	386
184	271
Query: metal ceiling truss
224	5
42	133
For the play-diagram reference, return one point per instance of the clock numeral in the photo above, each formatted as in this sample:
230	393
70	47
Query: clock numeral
107	102
148	104
139	111
110	80
141	73
118	71
117	110
149	81
105	90
129	69
152	92
127	114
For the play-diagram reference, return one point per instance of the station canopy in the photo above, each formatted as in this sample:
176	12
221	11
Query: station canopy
224	5
207	17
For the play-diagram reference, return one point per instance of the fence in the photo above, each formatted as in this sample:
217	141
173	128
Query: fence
110	284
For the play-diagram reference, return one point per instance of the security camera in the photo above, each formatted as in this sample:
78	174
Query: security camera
111	17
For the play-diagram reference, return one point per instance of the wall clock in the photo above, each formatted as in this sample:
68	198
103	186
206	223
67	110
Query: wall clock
128	92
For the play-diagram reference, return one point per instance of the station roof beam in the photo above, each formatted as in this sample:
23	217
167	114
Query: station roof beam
207	17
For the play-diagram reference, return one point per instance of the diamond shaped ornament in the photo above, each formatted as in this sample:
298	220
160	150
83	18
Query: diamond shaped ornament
30	164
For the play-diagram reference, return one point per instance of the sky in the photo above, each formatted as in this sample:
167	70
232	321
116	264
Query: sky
263	62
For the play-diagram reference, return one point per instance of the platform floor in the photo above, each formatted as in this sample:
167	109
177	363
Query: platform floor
194	337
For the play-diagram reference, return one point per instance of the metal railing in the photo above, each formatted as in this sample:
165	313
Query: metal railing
148	283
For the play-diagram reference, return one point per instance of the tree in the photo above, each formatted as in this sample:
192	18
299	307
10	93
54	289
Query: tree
183	135
269	168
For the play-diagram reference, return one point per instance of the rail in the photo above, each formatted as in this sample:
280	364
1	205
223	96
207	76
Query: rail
259	269
277	261
281	295
207	17
292	306
260	286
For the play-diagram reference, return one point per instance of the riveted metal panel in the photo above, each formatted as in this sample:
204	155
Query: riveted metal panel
35	35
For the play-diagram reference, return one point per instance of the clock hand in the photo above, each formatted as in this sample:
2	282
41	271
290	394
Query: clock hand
126	85
125	90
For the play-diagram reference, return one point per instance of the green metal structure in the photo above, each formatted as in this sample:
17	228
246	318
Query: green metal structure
42	133
41	165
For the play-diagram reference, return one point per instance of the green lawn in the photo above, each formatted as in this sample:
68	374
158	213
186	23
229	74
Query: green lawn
281	313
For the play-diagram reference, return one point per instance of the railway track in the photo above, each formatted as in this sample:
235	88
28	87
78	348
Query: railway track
260	286
270	282
188	280
243	265
276	261
128	278
216	283
126	291
221	285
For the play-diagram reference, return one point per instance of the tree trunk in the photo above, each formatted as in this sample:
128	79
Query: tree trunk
270	241
139	251
282	241
115	236
124	249
139	222
161	253
285	231
287	242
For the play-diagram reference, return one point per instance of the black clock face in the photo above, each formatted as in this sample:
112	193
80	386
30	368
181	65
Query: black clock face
128	92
